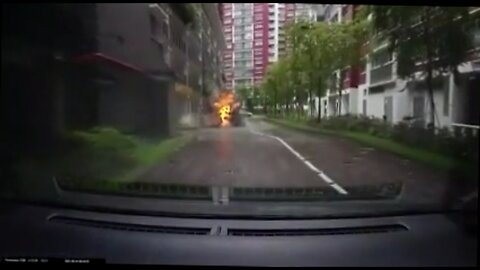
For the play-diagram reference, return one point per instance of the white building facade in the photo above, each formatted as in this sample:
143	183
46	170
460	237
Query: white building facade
380	93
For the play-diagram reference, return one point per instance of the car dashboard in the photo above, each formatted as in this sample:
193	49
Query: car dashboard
54	232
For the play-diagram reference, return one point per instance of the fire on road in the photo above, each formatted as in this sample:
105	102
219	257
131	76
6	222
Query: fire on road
225	106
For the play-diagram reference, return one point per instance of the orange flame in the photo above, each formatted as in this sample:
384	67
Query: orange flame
224	114
225	105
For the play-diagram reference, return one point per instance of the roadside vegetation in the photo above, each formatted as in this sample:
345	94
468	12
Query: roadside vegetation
106	153
443	150
94	157
430	41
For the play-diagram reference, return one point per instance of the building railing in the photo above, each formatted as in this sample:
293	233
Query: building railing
465	129
381	74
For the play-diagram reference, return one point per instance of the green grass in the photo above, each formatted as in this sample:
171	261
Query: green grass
107	154
435	160
101	157
147	155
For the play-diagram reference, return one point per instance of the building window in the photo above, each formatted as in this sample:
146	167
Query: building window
418	107
380	58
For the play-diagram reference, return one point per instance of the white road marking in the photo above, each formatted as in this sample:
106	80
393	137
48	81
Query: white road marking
326	178
338	188
312	167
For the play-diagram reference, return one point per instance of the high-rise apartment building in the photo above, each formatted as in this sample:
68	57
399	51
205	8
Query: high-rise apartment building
255	37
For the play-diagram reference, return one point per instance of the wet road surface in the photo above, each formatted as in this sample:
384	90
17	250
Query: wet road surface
261	154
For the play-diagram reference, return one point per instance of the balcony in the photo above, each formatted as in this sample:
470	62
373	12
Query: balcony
363	78
382	74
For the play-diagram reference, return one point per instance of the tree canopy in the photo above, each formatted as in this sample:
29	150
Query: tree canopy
316	50
426	39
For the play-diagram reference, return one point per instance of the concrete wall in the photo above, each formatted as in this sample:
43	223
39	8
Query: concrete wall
354	96
134	104
375	104
439	96
125	33
376	101
455	96
181	110
402	105
459	101
345	104
449	94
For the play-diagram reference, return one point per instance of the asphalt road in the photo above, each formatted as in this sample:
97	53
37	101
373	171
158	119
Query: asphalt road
260	154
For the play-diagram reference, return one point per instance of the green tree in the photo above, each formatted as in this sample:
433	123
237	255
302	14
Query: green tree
316	50
310	57
279	75
298	36
304	56
346	39
333	47
243	93
434	40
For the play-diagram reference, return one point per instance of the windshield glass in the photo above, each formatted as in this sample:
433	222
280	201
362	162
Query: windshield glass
314	105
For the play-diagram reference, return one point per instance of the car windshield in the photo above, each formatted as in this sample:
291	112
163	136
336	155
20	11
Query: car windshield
351	107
